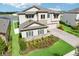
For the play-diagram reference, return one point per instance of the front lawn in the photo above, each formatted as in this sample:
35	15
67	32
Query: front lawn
57	49
38	43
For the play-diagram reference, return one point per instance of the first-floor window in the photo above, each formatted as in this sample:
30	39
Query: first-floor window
48	15
40	31
29	33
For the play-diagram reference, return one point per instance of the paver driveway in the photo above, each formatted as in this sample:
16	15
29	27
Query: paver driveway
69	38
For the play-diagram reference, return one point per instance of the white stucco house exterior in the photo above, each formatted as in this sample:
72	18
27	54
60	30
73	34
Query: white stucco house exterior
32	29
41	19
71	17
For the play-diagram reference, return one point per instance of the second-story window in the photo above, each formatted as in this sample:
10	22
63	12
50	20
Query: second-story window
56	15
42	16
29	16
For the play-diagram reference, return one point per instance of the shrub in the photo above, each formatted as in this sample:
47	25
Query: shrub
20	35
61	27
73	27
2	46
77	27
9	48
55	54
37	43
22	44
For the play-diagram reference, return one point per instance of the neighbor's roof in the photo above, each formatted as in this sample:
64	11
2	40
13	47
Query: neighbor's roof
9	17
25	26
4	25
73	11
40	10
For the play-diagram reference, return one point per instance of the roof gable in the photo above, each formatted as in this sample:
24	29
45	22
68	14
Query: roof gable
37	9
31	25
34	24
33	8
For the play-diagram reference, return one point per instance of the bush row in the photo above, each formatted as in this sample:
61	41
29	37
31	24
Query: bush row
37	43
74	27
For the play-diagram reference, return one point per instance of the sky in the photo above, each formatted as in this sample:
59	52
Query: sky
12	7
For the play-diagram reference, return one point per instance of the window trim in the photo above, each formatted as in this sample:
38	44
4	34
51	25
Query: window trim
40	31
56	15
29	33
29	15
48	15
43	16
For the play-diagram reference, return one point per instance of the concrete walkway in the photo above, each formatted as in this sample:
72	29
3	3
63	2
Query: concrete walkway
69	38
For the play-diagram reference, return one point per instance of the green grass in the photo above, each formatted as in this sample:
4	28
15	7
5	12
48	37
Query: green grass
15	38
70	30
59	48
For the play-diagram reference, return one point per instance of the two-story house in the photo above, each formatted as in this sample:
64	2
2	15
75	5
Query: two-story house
37	20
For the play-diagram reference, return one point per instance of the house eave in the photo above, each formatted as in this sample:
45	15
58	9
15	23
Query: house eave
32	29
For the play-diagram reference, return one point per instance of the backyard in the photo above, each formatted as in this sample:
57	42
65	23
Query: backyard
58	49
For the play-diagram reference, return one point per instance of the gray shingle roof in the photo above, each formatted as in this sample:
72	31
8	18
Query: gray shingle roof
76	10
40	10
9	17
25	26
4	25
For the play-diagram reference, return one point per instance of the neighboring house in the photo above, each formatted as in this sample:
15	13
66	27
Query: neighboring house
4	25
11	17
39	18
71	17
32	28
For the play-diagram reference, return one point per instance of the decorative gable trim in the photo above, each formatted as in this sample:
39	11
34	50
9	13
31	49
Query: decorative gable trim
30	8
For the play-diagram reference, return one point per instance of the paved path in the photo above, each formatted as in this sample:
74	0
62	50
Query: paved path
69	38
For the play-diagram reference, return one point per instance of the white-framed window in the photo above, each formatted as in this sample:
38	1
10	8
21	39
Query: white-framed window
29	33
56	15
48	15
29	16
42	16
40	31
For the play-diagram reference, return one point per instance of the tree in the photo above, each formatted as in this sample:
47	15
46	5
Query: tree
2	46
